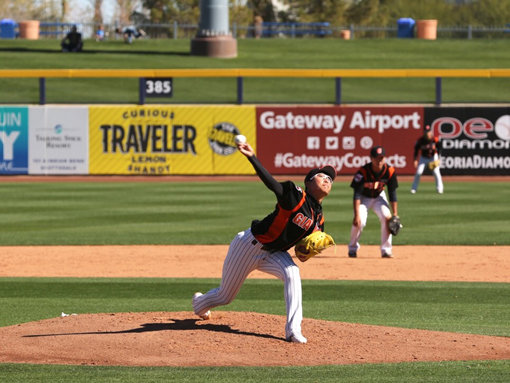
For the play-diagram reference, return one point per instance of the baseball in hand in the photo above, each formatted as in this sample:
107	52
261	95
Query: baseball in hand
239	139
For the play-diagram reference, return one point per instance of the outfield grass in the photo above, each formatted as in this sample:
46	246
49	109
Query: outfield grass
264	53
79	213
451	372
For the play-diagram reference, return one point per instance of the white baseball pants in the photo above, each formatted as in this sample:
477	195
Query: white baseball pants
436	172
381	208
244	255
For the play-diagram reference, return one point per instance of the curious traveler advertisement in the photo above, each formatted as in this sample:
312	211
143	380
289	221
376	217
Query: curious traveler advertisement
169	140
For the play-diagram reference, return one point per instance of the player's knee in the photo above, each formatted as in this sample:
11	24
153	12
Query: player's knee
225	298
292	272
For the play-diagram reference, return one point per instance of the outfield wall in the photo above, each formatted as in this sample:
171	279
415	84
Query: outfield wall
184	139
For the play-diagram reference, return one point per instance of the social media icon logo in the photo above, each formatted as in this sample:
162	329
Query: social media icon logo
332	143
313	143
349	143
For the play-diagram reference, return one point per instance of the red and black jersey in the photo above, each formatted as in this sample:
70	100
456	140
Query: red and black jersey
296	215
370	184
426	147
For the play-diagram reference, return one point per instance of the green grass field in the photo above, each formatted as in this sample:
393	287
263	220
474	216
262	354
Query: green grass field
174	212
107	213
102	213
265	53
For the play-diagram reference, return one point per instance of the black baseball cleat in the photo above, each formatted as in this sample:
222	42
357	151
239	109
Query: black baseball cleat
387	255
352	254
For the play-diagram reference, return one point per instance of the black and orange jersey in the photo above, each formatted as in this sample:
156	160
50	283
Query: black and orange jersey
369	184
426	147
296	215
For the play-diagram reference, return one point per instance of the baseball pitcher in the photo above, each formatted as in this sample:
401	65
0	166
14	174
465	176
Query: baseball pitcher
264	246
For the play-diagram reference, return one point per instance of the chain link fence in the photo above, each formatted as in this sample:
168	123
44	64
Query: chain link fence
176	30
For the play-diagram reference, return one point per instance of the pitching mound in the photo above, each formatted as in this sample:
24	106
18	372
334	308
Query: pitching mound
230	339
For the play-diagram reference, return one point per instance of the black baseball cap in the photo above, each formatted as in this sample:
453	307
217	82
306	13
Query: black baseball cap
329	170
377	151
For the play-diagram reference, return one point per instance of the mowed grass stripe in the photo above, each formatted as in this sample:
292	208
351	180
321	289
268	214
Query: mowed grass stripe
123	213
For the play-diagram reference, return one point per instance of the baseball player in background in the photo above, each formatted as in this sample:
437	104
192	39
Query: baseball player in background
264	246
427	147
368	184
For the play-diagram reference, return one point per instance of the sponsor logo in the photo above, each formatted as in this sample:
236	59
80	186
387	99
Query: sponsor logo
360	120
270	120
476	132
477	128
349	160
221	138
9	120
382	122
502	127
313	143
366	142
148	138
476	162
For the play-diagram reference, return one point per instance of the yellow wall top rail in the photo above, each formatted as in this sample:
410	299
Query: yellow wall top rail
145	76
247	72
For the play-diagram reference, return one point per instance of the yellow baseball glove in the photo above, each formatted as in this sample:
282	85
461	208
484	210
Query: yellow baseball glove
434	164
312	245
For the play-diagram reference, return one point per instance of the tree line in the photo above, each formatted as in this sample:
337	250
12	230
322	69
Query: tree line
478	13
487	13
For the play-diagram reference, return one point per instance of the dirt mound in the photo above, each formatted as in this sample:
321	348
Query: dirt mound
230	339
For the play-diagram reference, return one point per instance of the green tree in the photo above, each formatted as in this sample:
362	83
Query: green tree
332	11
490	13
98	14
263	8
166	11
448	13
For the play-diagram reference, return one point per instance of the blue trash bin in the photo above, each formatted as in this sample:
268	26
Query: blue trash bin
405	27
7	29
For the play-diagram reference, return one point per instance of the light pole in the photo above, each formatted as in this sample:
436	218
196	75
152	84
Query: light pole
213	37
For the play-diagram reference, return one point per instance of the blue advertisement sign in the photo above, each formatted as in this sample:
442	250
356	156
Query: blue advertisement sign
13	140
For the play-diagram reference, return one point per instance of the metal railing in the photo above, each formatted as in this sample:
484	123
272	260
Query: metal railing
240	74
178	30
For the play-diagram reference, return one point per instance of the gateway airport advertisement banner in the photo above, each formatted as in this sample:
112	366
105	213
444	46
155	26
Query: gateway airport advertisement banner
294	139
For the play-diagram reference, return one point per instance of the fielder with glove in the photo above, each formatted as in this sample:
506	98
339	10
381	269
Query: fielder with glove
394	225
368	184
427	147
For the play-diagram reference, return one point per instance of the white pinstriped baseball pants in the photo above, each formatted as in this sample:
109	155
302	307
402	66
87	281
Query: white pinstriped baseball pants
381	208
245	254
436	172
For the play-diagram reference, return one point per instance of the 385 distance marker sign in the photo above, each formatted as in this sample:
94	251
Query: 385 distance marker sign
159	87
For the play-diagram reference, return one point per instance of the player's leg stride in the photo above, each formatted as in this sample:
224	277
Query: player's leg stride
204	316
265	245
